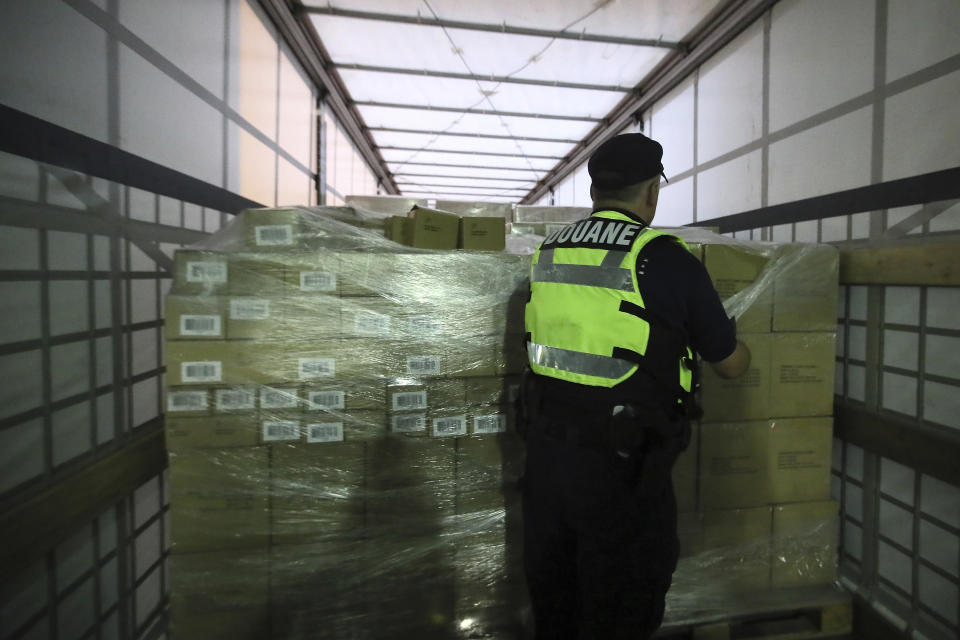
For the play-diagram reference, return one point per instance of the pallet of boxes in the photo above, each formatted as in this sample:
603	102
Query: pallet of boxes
342	456
757	526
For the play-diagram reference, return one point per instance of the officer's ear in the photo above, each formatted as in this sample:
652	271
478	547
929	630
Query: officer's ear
653	192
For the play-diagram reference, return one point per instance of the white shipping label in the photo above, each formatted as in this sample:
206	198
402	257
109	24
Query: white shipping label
495	423
281	430
249	309
425	326
187	401
235	399
318	281
274	235
409	400
325	432
278	398
326	399
423	365
207	272
450	426
408	423
200	325
310	368
370	323
211	371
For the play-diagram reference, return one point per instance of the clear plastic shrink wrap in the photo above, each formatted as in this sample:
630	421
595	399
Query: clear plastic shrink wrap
343	458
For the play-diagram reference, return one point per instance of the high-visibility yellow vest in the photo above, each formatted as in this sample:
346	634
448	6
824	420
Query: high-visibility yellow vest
586	320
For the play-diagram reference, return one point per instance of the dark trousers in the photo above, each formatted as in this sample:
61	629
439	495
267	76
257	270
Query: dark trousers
598	553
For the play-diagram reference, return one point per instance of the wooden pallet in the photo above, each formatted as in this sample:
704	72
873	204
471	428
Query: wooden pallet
820	621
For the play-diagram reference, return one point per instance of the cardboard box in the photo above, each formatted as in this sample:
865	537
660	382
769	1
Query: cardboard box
211	432
536	213
802	371
325	427
219	595
249	317
189	401
257	274
319	361
410	486
509	313
346	395
734	468
805	536
685	473
482	234
488	389
400	229
738	543
395	205
501	210
319	590
204	362
308	317
371	317
799	459
434	394
194	317
238	400
434	229
312	273
490	586
334	503
690	533
199	272
219	499
805	294
511	354
732	269
746	397
274	229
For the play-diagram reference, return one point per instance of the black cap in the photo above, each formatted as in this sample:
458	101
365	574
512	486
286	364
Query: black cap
624	160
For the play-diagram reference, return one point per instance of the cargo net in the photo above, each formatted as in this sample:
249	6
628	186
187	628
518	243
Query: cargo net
344	461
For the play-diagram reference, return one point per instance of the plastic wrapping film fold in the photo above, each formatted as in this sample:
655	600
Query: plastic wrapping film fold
343	456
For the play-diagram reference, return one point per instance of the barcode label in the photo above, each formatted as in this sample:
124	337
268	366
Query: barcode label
278	398
325	432
249	309
370	323
409	400
425	326
274	234
326	399
408	423
201	371
207	272
281	430
310	368
423	365
451	426
186	401
318	281
200	325
235	399
496	423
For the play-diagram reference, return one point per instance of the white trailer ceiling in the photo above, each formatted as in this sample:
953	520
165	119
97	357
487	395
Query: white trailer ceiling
485	98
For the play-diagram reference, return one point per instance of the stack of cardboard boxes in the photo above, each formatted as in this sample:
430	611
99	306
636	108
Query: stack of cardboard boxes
339	429
437	229
754	487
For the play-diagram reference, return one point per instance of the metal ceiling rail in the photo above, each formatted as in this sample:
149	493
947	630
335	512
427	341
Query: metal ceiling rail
462	166
479	112
494	28
299	34
471	153
438	175
430	73
491	136
722	27
455	193
493	190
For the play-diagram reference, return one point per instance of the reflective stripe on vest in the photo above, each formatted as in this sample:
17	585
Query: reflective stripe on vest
574	326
